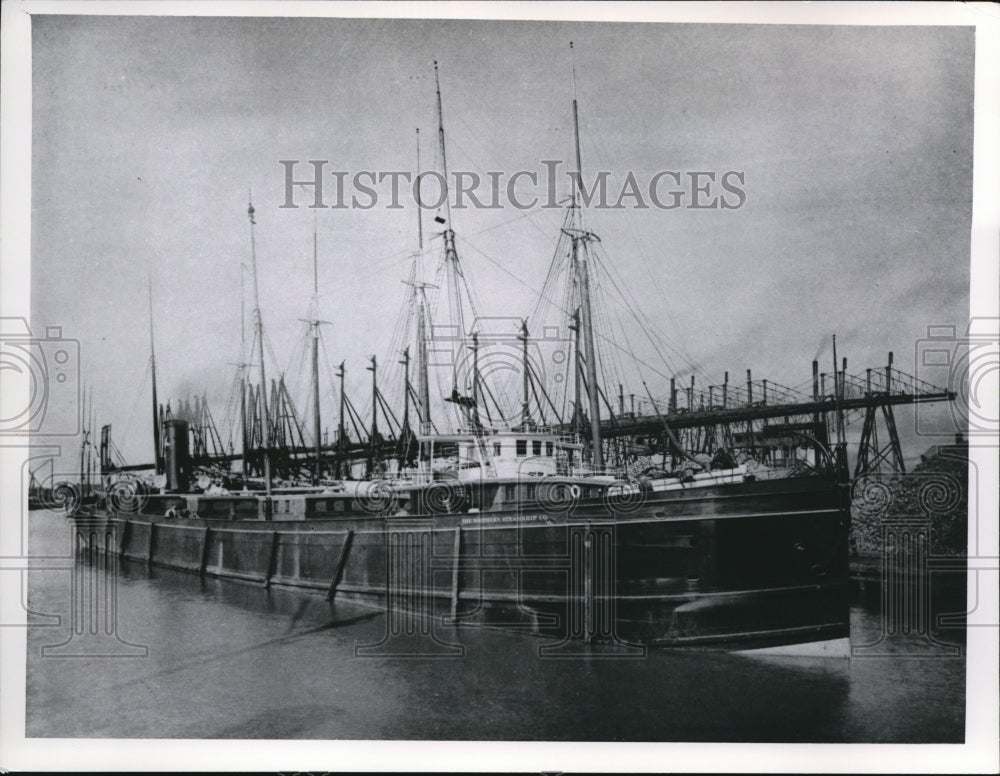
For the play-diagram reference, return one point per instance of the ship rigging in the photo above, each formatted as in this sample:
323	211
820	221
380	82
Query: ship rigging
509	379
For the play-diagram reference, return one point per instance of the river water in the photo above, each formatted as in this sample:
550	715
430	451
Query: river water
192	658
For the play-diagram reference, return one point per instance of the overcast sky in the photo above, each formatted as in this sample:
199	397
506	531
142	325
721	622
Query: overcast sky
855	146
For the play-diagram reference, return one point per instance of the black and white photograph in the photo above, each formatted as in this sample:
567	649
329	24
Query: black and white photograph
500	387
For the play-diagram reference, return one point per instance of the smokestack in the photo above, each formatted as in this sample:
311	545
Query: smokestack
178	457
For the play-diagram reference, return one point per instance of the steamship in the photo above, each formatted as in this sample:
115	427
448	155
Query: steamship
530	522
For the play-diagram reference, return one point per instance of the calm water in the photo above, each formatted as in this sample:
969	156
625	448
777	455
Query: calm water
228	660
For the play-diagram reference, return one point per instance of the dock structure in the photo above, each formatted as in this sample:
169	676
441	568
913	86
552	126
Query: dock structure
747	413
754	416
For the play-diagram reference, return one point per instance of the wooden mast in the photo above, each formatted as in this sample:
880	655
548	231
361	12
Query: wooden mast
373	442
476	422
340	424
420	218
243	377
318	466
423	384
450	253
405	431
525	378
574	326
578	236
157	456
90	451
83	448
265	431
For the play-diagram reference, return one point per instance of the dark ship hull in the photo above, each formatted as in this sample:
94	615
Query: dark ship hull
734	566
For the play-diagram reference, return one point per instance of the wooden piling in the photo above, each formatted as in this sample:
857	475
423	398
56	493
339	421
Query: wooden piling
456	555
123	539
203	563
588	587
149	544
338	570
272	559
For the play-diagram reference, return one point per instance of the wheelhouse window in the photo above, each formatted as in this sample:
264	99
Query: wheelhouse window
548	449
521	447
496	448
536	447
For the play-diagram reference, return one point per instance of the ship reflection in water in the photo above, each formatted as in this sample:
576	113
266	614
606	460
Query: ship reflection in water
233	660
